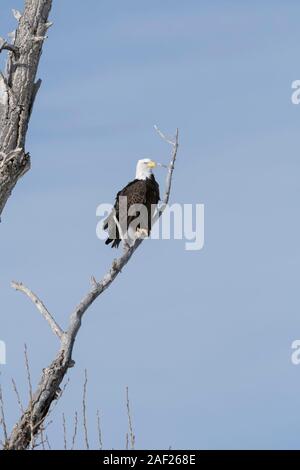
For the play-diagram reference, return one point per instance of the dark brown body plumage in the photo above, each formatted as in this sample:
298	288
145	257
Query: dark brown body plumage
144	192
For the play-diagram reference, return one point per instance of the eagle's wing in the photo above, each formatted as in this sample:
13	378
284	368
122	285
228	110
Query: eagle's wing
136	193
144	192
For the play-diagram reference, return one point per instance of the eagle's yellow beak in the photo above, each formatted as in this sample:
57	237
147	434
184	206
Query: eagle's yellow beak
151	164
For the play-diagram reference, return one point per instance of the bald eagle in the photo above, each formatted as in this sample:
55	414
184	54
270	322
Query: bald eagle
134	207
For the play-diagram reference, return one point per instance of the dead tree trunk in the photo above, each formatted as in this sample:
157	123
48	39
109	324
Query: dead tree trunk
18	90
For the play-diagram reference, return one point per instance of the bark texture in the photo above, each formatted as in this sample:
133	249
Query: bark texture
18	90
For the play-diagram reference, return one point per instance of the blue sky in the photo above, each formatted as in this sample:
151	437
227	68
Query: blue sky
202	339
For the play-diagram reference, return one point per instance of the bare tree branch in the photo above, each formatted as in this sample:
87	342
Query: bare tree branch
130	426
86	438
99	431
162	135
75	430
2	417
171	167
17	395
32	436
65	431
41	308
4	45
48	443
18	90
48	388
43	441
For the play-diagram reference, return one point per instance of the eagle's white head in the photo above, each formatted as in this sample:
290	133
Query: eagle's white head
144	168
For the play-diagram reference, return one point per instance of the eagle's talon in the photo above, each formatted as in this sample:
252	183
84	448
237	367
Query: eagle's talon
141	233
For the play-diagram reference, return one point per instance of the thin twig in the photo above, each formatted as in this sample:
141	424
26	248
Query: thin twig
42	438
28	371
2	415
45	426
131	433
65	431
9	47
84	410
40	306
169	141
41	443
168	183
75	430
30	396
99	431
48	443
18	395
